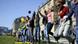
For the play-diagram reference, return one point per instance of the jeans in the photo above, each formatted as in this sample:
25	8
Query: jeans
29	34
45	32
64	28
76	32
49	27
22	37
37	33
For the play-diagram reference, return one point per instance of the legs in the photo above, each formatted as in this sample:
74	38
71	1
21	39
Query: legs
37	33
49	27
23	35
66	28
60	30
45	32
76	31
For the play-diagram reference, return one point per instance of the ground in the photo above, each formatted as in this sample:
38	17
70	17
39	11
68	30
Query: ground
12	40
7	40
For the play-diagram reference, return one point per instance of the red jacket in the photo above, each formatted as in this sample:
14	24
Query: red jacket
63	11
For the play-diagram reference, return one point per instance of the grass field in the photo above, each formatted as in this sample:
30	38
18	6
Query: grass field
7	40
12	40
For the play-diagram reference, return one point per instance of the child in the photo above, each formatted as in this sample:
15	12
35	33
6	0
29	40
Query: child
45	27
50	20
74	11
21	30
37	28
62	12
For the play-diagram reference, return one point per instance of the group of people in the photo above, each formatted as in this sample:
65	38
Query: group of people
30	27
64	21
49	21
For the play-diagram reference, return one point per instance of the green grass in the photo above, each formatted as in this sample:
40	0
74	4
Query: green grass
7	40
12	40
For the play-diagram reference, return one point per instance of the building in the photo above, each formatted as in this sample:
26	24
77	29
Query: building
3	30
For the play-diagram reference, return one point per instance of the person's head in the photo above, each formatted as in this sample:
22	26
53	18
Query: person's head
27	18
45	12
49	10
22	19
59	3
74	1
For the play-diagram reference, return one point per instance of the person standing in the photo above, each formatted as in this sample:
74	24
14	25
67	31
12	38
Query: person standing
74	11
37	28
63	27
50	20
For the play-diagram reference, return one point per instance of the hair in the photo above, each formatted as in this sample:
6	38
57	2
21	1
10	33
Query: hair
62	1
33	17
28	17
45	12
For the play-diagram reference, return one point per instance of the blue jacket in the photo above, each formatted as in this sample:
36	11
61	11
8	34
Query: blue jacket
74	11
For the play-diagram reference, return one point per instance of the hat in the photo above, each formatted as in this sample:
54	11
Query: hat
22	19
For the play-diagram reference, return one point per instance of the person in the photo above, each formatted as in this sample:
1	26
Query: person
28	30
21	30
44	22
37	27
50	20
74	11
64	26
44	31
32	24
45	34
23	37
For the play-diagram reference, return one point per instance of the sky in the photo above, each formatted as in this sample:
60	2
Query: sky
11	9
